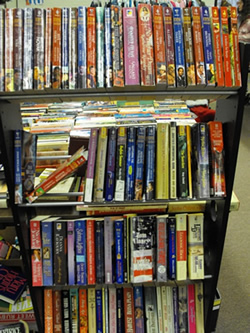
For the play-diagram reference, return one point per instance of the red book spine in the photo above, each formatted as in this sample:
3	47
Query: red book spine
129	311
48	48
226	46
48	311
56	48
91	251
36	257
91	47
83	311
191	309
235	46
57	311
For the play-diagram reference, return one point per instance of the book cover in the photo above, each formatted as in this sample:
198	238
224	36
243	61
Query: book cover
108	48
18	166
189	49
100	46
83	311
2	49
121	154
99	250
17	46
195	240
159	45
110	168
38	64
81	252
65	310
139	309
99	180
60	252
198	50
183	309
82	47
181	247
169	45
112	310
161	250
146	47
74	309
21	327
199	307
226	46
129	309
173	160
151	315
56	48
48	310
71	251
171	227
130	165
8	55
191	308
90	234
217	44
65	48
131	50
57	311
159	309
150	149
91	47
189	161
91	165
73	48
48	48
99	321
118	230
139	163
180	69
120	310
234	47
162	161
117	46
182	165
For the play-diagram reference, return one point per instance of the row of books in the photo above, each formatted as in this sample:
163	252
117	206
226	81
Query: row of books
117	249
95	47
130	309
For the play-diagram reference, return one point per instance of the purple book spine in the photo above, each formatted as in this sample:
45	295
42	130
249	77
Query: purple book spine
139	308
110	173
71	252
131	52
108	248
108	48
80	246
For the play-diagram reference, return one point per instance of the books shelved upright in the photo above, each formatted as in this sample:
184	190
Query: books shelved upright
65	48
2	50
17	46
82	47
38	64
169	44
28	49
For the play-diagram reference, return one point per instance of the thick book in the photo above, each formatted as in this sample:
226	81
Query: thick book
82	47
234	47
108	48
99	313
191	308
150	162
90	236
129	309
151	315
65	48
169	45
100	47
60	252
182	163
173	160
171	227
226	46
91	47
48	48
130	165
139	163
118	230
110	167
162	161
99	250
65	310
183	309
139	309
8	55
48	310
74	309
73	64
38	62
189	47
146	46
181	247
121	154
161	249
83	311
81	252
71	251
56	48
17	46
91	165
57	311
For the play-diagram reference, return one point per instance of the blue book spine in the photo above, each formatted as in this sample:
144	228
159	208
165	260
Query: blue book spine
18	166
99	253
71	252
139	309
139	167
119	250
99	321
65	48
130	169
82	48
125	249
108	48
179	47
175	307
110	173
150	162
80	249
47	252
172	248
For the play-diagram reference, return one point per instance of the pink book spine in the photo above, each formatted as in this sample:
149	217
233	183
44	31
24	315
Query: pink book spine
91	251
36	257
112	310
191	309
131	51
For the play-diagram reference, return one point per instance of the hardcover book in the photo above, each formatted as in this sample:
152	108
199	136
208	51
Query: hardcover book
48	48
150	162
139	163
56	48
65	48
110	168
60	252
226	46
82	47
151	309
100	46
17	46
108	48
38	63
162	161
169	44
91	47
8	54
181	247
139	309
121	152
81	252
161	243
91	165
130	167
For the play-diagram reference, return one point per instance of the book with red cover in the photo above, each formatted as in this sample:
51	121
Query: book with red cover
57	311
226	46
48	311
91	47
90	229
56	48
129	311
191	308
235	52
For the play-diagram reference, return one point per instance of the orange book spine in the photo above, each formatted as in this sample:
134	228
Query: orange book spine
91	47
226	46
47	48
83	311
56	48
48	311
235	46
91	251
217	47
9	49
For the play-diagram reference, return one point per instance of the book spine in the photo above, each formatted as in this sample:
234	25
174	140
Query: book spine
100	165
57	311
119	310
188	42
173	160
183	308
108	247
191	309
150	162
112	310
139	164
159	309
100	46
83	311
73	65
9	48
48	311
18	166
169	45
235	46
60	252
151	309
130	168
182	162
175	309
65	310
108	48
38	49
36	250
99	251
189	161
90	232
121	150
203	158
146	48
131	50
65	48
129	310
91	165
82	47
110	169
99	321
47	252
164	309
198	50
139	309
126	249
71	252
171	247
170	310
91	47
226	46
118	226
81	252
17	46
2	49
117	46
179	48
162	161
48	48
161	254
159	46
199	307
106	310
181	247
74	306
56	48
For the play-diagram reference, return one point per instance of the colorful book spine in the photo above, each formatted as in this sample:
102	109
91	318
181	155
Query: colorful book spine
118	230
65	310
18	166
121	150
131	50
171	227
179	48
181	247
28	49
17	46
146	47
189	49
129	310
83	311
56	48
151	309
109	243
112	310
189	161
73	64
74	306
2	49
57	311
117	46
71	251
48	310
91	47
183	308
99	181
82	47
139	164
150	162
90	233
208	46
216	32
234	37
110	169
120	310
91	165
48	48
198	50
81	252
47	251
191	309
9	48
182	162
38	64
199	307
173	160
99	321
226	46
162	161
159	45
139	309
130	167
100	46
65	48
169	44
99	250
161	254
59	253
108	48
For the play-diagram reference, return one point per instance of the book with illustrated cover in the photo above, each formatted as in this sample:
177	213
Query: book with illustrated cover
60	252
182	164
20	327
162	161
110	168
17	46
173	160
121	154
139	162
81	252
48	310
130	168
57	311
82	47
139	309
71	251
38	64
91	165
48	48
161	250
8	56
169	44
183	309
65	48
150	148
65	310
91	47
90	236
171	227
191	308
2	49
108	48
189	47
234	47
56	48
226	46
181	247
83	311
73	48
100	47
74	309
151	315
119	249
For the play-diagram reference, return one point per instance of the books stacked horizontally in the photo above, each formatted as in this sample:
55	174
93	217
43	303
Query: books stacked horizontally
129	309
97	47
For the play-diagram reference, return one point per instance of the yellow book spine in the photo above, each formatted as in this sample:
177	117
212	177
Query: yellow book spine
92	310
162	161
